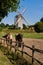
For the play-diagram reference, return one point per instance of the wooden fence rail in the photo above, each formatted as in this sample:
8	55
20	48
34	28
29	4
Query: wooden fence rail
33	48
33	51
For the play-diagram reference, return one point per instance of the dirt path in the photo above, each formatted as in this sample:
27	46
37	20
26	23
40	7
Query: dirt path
38	43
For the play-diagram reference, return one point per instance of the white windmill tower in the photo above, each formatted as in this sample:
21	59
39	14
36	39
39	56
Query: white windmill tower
18	23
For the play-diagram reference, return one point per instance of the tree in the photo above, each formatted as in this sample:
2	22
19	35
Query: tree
38	27
2	25
11	26
7	25
24	26
8	6
41	20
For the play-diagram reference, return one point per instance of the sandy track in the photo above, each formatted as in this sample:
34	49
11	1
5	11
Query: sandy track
38	43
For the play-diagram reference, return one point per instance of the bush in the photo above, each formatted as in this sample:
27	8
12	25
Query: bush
24	26
41	19
38	27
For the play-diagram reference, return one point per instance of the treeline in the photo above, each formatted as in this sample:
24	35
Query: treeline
2	26
38	27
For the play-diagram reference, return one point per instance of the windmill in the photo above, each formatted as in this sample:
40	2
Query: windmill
18	23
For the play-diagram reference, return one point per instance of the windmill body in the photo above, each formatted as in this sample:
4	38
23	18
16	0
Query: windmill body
18	22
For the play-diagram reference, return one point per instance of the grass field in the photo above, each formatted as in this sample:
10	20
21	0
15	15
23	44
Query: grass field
4	60
33	35
26	35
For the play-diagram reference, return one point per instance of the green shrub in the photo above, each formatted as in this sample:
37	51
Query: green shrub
38	27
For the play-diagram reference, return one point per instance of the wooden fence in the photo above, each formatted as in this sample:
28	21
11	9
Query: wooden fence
23	52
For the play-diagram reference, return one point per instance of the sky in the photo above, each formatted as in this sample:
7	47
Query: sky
33	13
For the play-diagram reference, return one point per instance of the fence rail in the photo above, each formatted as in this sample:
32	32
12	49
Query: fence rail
33	51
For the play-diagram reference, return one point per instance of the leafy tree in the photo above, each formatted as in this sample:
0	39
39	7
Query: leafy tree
39	27
11	27
2	25
24	26
8	6
7	25
1	28
41	20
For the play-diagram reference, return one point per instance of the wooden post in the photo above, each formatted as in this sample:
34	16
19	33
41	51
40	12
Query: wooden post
15	50
0	40
10	44
4	42
22	49
33	54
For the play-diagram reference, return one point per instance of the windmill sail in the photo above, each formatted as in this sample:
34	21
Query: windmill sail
25	19
23	11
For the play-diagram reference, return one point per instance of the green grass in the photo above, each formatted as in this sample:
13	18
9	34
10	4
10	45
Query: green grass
33	35
25	33
4	60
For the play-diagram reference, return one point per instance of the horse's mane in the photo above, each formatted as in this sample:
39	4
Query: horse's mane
19	37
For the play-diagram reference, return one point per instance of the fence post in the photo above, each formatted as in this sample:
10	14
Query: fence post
10	44
33	54
22	49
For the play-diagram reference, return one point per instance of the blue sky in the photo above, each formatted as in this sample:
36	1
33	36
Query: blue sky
34	12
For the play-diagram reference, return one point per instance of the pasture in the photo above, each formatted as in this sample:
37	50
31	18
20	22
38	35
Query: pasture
33	35
26	33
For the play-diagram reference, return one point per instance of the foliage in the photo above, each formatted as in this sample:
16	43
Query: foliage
0	28
8	6
2	25
39	27
24	26
7	25
41	19
11	27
